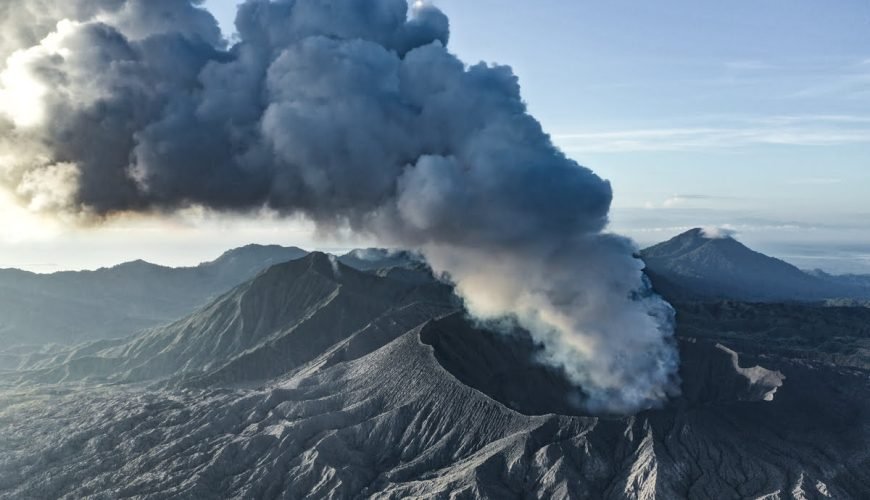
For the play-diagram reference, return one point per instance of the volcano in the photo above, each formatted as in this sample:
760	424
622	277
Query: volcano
315	379
695	265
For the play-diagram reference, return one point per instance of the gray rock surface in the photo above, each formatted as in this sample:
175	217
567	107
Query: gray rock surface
318	381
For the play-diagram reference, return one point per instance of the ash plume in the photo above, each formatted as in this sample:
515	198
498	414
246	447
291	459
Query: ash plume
354	114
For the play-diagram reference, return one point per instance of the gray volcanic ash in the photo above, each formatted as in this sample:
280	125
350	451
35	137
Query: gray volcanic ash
354	114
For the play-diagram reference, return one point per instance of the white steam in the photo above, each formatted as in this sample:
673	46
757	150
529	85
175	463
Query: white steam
354	114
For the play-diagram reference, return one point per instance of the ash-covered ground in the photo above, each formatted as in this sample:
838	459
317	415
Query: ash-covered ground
316	380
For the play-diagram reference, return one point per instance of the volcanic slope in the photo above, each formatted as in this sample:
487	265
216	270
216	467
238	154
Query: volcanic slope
694	266
276	322
381	407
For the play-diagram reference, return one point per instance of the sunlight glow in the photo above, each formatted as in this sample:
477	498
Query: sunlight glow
21	225
21	92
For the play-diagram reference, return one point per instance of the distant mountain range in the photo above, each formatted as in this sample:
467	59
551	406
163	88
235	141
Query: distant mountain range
698	266
73	307
284	317
70	307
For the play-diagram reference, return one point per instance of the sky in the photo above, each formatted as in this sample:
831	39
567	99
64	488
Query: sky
745	114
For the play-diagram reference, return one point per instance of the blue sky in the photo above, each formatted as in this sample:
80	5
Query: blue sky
746	113
752	114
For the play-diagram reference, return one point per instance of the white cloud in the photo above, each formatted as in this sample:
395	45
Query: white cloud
843	86
718	232
20	225
785	130
817	181
748	65
21	92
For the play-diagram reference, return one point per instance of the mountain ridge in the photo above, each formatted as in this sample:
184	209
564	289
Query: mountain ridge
716	268
257	330
313	379
73	306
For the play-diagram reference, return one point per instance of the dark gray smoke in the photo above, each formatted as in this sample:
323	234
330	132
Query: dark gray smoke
354	114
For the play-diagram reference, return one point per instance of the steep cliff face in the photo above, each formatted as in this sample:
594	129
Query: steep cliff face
394	394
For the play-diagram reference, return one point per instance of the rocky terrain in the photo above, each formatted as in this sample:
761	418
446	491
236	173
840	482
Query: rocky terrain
316	380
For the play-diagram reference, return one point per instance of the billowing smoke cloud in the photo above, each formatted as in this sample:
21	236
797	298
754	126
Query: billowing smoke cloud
353	113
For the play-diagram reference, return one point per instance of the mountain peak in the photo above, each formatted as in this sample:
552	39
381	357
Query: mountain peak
135	264
258	253
684	243
715	233
326	266
712	264
705	234
695	233
369	259
323	263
